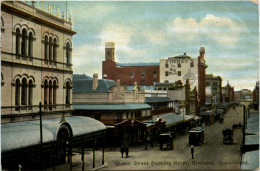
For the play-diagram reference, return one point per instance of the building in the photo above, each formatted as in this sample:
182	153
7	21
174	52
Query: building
36	59
184	67
256	93
228	93
216	84
128	73
36	68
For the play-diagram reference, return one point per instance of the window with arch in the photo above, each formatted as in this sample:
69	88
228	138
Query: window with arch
30	98
24	91
55	46
50	92
67	93
45	92
50	49
18	41
54	92
46	47
17	92
30	47
67	53
23	45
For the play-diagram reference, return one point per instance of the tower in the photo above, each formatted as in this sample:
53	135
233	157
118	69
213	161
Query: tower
110	51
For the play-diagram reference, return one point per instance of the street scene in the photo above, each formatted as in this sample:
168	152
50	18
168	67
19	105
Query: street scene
129	85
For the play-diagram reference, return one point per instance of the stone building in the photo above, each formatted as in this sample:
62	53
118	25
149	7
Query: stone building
228	93
216	84
184	67
128	73
36	66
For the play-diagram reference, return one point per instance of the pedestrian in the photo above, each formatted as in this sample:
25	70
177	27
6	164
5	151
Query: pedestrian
192	151
126	151
122	150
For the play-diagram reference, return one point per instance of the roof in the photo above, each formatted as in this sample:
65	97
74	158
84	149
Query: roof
253	117
112	106
251	139
141	87
252	128
181	56
170	118
27	133
81	77
137	64
250	160
86	86
157	99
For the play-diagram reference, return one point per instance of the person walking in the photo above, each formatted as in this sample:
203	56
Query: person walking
122	150
192	151
126	151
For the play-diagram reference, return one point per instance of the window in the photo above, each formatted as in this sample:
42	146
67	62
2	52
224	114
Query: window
127	115
24	91
166	65
30	93
54	92
55	50
50	49
138	114
131	83
131	74
18	41
166	73
179	73
67	92
143	74
166	81
45	92
179	65
30	47
46	48
24	37
191	64
154	74
50	92
17	92
142	82
68	53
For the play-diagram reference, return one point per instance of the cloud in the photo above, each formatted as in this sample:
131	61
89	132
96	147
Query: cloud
220	29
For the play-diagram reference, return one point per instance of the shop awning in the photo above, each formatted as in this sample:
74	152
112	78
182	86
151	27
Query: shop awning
112	107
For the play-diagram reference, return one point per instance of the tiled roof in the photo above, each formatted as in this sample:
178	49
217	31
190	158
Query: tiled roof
17	135
250	160
157	99
112	107
137	64
86	86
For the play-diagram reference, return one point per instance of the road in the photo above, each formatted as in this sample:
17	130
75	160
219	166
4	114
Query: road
212	154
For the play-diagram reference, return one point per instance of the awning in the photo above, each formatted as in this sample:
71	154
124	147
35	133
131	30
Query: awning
251	139
250	160
112	107
170	118
23	134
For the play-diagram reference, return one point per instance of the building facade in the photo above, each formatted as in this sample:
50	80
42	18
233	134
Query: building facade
216	84
128	73
36	59
228	93
184	67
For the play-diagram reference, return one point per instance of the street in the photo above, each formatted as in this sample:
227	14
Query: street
212	154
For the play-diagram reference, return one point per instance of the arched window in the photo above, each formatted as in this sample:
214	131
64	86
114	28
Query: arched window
50	92
30	47
54	92
24	91
67	92
67	53
30	99
50	49
17	92
45	92
18	41
55	50
46	48
24	37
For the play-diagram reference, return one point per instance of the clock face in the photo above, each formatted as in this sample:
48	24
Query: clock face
189	76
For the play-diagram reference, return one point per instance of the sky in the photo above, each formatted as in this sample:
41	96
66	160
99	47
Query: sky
146	31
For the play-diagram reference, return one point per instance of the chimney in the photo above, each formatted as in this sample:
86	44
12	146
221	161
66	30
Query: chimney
202	52
95	81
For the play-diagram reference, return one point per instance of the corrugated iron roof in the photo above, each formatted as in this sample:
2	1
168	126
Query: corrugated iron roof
170	118
81	77
157	99
250	160
86	86
137	64
112	106
27	133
